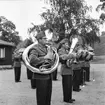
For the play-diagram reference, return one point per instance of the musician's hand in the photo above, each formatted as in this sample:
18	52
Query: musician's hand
72	56
64	56
49	55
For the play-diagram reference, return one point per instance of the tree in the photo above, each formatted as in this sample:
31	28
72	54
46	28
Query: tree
69	18
8	32
101	7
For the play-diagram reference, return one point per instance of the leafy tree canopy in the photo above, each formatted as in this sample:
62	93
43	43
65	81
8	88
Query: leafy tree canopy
101	7
68	18
8	32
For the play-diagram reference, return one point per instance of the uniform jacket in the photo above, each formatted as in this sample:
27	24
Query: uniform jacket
65	70
76	66
17	62
87	64
36	57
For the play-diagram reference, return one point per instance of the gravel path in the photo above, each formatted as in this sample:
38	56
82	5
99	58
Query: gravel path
12	93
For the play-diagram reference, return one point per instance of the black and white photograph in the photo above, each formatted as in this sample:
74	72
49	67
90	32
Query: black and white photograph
52	52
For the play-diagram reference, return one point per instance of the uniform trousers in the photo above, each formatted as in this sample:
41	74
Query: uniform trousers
17	72
87	69
32	81
81	76
29	74
67	87
43	91
76	80
54	75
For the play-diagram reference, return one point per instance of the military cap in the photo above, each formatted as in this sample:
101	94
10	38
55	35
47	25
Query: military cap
40	35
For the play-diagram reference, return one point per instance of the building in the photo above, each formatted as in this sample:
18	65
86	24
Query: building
6	54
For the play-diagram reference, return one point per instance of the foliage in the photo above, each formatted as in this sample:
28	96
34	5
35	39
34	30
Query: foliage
69	18
8	32
101	7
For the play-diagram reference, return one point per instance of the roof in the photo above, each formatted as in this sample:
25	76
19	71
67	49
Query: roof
2	42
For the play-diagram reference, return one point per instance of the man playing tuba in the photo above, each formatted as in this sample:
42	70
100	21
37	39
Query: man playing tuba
39	56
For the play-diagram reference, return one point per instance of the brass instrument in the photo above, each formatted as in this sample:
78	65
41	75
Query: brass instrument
72	52
42	69
80	54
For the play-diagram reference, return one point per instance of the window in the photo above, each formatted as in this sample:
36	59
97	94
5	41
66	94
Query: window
2	52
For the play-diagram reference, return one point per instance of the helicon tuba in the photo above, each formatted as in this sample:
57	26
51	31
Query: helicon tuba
37	70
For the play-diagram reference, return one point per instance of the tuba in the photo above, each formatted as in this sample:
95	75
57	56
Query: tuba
43	69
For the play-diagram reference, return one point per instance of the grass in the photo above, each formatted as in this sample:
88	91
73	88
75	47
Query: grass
99	59
99	49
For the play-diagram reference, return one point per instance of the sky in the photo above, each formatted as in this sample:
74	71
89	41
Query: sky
24	12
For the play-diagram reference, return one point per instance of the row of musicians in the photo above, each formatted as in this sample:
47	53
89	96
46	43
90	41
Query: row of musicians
72	77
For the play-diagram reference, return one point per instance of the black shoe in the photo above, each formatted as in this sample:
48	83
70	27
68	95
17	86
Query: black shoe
88	80
55	79
72	100
33	87
17	81
77	90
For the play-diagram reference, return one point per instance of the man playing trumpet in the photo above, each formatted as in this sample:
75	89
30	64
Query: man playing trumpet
66	59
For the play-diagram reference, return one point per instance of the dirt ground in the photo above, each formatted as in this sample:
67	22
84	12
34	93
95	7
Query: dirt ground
12	93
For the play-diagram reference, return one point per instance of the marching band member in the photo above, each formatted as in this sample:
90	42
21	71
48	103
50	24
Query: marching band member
37	56
87	69
66	71
17	67
87	63
76	66
31	39
82	73
76	76
55	42
28	41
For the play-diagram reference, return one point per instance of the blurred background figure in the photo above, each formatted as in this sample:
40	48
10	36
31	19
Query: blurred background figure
17	66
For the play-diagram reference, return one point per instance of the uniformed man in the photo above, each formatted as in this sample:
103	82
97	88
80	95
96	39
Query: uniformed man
76	76
87	62
25	44
77	68
28	42
55	41
87	69
82	73
37	57
17	66
66	71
